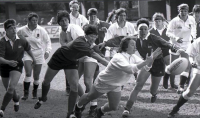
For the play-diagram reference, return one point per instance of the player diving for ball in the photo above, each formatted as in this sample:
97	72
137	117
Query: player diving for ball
145	43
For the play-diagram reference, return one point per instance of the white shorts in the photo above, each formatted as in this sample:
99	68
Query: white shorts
87	59
38	54
105	88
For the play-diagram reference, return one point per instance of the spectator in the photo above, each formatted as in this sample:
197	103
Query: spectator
75	16
42	21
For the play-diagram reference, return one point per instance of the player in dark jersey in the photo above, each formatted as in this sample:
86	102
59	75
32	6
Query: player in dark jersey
11	53
66	58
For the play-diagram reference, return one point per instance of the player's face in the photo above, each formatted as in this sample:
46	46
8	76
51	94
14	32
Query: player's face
33	22
64	22
131	47
74	8
91	38
197	15
158	23
143	31
122	17
93	18
11	31
183	12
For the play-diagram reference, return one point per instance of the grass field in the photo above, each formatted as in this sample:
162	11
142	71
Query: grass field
56	105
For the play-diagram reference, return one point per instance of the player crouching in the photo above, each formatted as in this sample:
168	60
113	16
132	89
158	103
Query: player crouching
119	70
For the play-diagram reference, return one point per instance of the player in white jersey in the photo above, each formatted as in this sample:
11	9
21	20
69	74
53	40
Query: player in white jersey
40	43
119	28
119	70
75	16
181	30
194	53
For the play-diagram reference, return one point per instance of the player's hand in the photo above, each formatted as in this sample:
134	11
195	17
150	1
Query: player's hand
101	45
12	63
149	59
46	55
156	53
180	40
194	65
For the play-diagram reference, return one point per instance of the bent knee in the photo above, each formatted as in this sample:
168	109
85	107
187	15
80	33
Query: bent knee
10	90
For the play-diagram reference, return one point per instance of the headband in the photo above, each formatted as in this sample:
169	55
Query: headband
142	24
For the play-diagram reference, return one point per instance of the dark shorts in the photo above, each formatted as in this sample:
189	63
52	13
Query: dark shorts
6	69
158	68
165	52
57	62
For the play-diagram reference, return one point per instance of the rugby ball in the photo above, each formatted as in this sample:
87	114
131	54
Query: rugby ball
178	66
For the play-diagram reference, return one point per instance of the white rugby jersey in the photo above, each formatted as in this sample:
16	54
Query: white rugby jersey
177	28
194	51
120	69
114	30
74	30
81	20
38	38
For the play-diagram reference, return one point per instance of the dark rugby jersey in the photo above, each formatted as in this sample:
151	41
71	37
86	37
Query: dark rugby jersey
13	53
76	49
164	36
152	42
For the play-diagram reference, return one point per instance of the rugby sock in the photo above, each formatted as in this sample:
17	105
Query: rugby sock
45	90
165	80
183	80
180	102
26	86
7	98
72	101
35	87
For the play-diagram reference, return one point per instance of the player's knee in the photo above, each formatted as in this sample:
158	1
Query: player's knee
74	87
27	79
10	90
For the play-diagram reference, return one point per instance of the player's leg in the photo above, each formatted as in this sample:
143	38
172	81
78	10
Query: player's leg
154	87
73	79
36	75
49	75
173	56
89	71
184	76
27	79
142	78
194	84
85	99
14	77
80	72
111	105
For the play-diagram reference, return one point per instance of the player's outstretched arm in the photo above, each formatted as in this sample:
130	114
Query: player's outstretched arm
99	58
